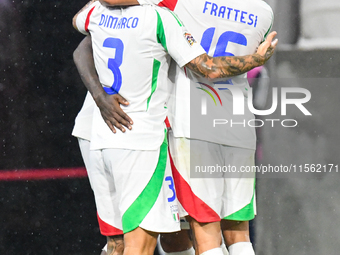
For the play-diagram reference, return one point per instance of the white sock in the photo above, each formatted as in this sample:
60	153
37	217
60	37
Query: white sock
215	251
190	251
241	248
224	249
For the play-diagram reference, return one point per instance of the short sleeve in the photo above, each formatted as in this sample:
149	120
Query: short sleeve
83	18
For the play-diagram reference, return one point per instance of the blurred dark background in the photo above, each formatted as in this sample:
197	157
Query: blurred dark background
41	92
40	95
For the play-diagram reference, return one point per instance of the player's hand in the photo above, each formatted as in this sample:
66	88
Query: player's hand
111	112
267	48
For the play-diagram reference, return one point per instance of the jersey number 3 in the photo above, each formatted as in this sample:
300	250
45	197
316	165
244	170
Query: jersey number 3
114	64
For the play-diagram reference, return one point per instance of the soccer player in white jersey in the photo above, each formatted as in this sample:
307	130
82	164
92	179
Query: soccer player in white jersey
99	136
230	27
136	162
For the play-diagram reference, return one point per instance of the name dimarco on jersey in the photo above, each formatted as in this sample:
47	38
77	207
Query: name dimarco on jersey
118	23
230	13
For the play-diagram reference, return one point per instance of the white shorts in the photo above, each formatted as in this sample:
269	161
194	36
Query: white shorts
140	187
102	185
212	197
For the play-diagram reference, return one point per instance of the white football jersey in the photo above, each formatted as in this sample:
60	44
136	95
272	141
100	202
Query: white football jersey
223	28
83	122
131	48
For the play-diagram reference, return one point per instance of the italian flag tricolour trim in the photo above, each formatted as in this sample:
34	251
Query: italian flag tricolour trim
194	206
136	213
171	4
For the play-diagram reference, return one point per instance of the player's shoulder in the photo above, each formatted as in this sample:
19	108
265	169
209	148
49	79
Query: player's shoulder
258	7
165	13
96	6
149	8
161	9
261	8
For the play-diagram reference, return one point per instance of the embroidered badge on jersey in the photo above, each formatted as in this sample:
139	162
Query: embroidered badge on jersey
174	211
190	39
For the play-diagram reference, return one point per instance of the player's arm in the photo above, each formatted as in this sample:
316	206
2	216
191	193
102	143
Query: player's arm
221	67
109	105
